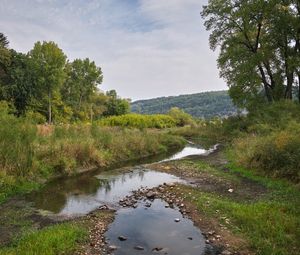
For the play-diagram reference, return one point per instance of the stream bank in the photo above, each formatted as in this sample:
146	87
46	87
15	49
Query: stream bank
231	208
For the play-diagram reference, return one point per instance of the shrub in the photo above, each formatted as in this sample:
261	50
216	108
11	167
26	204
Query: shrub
181	118
277	154
139	121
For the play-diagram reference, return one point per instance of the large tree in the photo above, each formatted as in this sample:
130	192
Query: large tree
48	64
5	58
259	47
18	87
83	77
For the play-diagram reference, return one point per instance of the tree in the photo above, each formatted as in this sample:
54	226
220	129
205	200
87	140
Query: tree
19	88
259	47
115	105
49	62
182	118
83	77
5	58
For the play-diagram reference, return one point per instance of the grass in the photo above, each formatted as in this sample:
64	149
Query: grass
271	224
31	155
54	240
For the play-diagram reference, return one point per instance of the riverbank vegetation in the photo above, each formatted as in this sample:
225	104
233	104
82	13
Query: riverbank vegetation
266	140
31	153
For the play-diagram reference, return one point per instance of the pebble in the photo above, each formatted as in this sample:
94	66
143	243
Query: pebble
112	247
122	238
140	248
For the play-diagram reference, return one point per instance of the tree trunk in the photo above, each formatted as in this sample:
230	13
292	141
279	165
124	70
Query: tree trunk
49	108
289	86
266	85
299	86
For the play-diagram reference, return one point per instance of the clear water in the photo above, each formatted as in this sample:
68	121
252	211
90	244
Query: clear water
83	194
154	227
149	228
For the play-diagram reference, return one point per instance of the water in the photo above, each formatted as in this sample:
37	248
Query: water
190	150
82	194
149	228
152	228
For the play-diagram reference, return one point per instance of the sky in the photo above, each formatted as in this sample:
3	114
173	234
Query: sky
146	48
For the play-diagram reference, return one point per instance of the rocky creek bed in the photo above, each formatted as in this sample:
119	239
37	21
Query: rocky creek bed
145	209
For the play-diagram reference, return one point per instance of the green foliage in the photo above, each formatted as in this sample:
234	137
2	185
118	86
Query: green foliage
276	153
44	82
259	47
181	118
83	77
18	87
202	105
266	140
48	63
114	105
31	153
54	240
16	143
5	59
139	121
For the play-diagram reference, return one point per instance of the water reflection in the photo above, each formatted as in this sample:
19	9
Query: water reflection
83	194
152	228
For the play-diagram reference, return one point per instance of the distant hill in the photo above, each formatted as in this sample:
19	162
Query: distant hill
201	105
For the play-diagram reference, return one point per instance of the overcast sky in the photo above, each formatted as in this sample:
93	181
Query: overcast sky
146	48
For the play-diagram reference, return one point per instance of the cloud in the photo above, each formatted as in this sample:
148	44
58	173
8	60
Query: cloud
146	48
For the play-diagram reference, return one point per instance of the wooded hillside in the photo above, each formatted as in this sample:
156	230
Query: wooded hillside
202	105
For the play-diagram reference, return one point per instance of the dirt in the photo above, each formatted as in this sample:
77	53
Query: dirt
97	222
221	182
18	216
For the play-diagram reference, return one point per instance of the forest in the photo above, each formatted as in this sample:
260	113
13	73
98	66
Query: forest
201	105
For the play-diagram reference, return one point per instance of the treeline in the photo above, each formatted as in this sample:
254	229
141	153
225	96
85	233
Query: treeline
44	85
201	105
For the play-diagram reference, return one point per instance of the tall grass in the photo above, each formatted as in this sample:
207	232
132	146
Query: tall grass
29	153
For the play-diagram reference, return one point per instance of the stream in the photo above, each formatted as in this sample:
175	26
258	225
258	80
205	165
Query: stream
147	229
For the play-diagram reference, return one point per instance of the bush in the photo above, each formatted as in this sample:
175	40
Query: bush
181	118
17	138
277	154
139	121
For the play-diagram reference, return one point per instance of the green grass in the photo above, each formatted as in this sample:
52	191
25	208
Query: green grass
271	224
31	155
54	240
